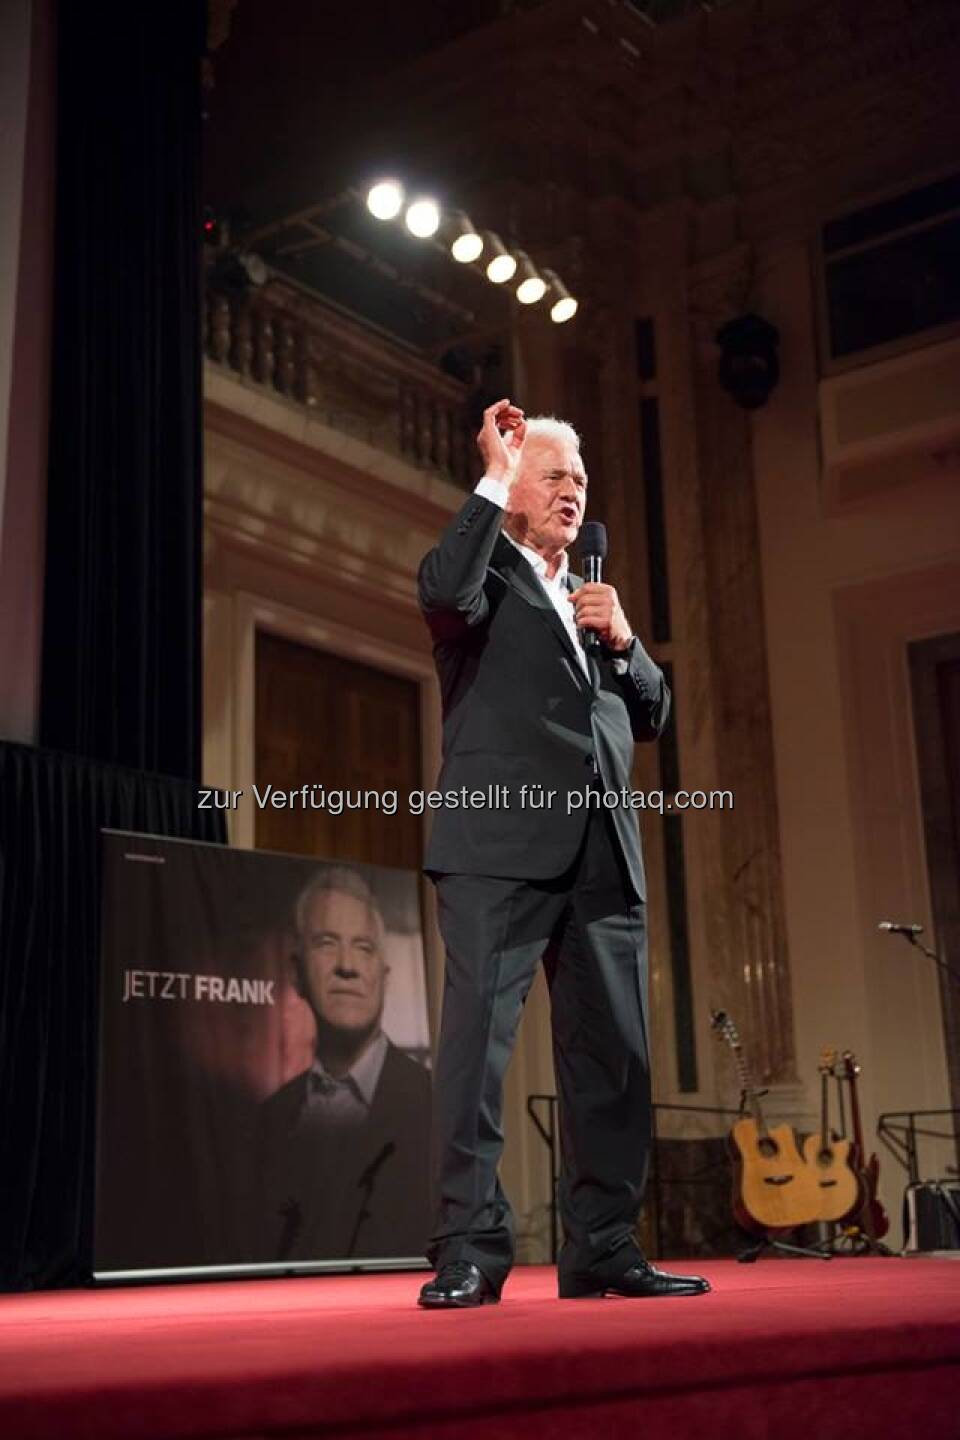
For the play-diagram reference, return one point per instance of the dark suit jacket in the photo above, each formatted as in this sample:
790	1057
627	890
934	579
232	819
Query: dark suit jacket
517	707
311	1201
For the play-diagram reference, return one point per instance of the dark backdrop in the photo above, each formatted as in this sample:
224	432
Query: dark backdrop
121	649
51	810
120	693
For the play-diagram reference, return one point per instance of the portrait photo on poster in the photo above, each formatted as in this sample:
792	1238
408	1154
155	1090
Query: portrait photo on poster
264	1084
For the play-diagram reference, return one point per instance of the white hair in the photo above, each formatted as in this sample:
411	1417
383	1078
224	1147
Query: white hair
338	880
551	428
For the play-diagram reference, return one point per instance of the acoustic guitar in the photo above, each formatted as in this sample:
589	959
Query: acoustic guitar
829	1158
872	1216
774	1189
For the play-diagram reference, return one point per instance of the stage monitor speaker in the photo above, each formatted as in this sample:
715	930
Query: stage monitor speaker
931	1216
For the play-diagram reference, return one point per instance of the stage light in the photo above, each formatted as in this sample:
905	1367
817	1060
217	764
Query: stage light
532	286
423	218
466	245
467	248
564	306
255	267
564	309
385	199
503	266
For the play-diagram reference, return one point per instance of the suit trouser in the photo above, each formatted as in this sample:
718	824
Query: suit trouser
590	931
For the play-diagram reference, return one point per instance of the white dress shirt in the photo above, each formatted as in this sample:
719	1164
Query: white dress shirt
346	1099
556	587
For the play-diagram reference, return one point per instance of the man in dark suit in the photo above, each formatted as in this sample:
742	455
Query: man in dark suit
525	704
343	1152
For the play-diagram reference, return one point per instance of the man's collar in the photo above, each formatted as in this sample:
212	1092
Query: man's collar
365	1072
536	560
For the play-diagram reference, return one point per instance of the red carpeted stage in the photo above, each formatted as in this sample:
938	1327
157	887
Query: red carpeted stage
784	1348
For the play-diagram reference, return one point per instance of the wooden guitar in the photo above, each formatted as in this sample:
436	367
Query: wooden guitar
872	1216
773	1189
829	1158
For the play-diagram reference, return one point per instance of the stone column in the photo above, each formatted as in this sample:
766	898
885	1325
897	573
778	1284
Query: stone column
752	974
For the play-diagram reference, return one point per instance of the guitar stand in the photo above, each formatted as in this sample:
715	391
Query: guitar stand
852	1240
752	1253
848	1240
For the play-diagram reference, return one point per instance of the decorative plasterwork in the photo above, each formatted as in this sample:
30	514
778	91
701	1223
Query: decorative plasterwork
294	490
719	289
777	93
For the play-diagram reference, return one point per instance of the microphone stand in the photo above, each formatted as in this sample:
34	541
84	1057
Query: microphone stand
365	1185
292	1217
954	975
931	955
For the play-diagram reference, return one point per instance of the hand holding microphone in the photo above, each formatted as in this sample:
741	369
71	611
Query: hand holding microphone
600	617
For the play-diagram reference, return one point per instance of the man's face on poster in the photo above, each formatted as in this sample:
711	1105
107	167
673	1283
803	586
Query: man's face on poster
343	969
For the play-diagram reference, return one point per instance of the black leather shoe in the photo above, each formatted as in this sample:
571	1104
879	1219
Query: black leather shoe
459	1286
640	1280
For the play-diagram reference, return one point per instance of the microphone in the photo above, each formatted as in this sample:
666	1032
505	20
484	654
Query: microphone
593	552
365	1184
892	929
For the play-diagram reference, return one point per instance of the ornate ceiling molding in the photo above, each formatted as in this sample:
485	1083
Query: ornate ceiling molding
718	289
783	90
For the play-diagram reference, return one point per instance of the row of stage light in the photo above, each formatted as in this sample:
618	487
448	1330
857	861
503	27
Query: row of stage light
423	218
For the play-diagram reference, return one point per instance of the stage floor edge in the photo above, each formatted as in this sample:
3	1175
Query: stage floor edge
853	1347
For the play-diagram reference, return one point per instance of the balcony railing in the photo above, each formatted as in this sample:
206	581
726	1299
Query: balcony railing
350	375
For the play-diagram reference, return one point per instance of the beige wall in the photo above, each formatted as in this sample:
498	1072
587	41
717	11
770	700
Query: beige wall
316	535
846	585
26	245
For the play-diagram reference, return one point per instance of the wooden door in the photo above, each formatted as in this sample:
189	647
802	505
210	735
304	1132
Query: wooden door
350	730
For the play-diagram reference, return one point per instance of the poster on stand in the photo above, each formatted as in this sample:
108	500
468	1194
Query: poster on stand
264	1085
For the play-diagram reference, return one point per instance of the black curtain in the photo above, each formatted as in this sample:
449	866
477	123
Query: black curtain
51	810
122	618
122	625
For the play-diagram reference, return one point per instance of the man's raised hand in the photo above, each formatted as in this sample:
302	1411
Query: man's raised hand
501	439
